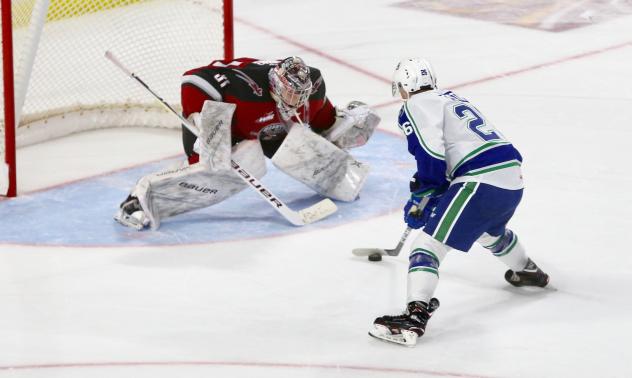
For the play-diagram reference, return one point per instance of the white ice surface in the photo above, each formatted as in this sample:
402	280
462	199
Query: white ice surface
300	305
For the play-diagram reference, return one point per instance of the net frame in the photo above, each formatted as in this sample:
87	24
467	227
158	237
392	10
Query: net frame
33	130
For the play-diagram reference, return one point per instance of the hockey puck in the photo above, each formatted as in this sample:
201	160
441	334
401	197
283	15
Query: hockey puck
375	257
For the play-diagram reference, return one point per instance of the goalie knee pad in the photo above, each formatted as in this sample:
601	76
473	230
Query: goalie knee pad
319	164
249	155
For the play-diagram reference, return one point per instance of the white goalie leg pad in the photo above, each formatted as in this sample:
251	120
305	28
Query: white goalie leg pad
214	142
319	164
353	127
193	187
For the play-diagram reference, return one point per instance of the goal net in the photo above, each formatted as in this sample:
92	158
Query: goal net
63	82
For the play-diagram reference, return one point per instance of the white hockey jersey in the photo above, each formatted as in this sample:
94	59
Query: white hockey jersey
453	142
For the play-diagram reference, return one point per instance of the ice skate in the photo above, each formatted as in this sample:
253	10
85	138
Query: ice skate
406	328
131	214
531	275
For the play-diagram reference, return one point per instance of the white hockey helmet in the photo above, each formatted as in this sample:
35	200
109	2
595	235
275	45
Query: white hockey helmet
290	83
412	74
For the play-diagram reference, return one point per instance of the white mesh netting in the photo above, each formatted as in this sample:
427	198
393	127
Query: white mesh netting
74	88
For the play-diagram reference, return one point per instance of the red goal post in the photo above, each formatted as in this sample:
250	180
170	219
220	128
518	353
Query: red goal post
56	80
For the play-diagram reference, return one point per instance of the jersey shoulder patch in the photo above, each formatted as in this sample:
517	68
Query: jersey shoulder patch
318	84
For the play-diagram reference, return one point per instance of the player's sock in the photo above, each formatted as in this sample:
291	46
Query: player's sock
507	248
423	270
531	275
406	328
523	271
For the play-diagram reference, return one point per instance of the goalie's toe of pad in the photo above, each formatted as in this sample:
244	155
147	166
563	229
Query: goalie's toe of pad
136	220
131	214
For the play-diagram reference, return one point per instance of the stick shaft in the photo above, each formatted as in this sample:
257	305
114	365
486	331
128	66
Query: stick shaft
384	252
402	240
185	122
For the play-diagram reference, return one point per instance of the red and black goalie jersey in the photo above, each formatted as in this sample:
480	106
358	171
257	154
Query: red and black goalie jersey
244	82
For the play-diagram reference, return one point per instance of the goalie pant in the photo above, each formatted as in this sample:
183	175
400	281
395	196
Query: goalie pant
303	155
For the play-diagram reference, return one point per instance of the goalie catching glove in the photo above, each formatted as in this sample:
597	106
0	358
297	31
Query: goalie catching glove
353	127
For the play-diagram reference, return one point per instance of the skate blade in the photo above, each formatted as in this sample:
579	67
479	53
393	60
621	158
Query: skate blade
406	338
129	221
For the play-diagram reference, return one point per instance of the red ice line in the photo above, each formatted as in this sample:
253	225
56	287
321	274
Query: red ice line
315	51
523	70
456	86
239	364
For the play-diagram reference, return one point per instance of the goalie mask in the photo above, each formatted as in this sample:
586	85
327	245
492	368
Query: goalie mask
413	74
290	83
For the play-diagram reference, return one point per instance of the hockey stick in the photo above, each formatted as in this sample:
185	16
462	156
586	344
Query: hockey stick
384	252
378	252
302	217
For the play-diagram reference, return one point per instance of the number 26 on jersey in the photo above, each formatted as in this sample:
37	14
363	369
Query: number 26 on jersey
475	122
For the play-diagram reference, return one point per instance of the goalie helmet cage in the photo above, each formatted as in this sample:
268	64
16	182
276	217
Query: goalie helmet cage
56	80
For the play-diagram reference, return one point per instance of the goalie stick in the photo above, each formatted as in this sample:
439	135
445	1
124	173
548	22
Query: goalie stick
384	252
302	217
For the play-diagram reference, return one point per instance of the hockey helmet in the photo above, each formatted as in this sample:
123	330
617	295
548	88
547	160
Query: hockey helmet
290	82
412	74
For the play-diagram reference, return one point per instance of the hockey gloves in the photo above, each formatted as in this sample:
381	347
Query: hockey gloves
420	205
418	209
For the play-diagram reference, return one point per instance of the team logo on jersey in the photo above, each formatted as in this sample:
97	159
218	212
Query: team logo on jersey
256	89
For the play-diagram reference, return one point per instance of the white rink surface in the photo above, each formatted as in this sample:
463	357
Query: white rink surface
300	305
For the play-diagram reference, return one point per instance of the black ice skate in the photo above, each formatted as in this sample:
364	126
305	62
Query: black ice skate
531	275
405	329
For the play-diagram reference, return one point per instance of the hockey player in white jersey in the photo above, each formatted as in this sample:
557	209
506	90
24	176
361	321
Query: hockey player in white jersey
467	186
